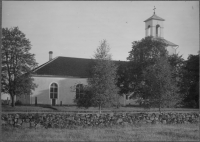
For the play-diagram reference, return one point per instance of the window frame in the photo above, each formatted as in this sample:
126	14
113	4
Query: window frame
81	91
53	91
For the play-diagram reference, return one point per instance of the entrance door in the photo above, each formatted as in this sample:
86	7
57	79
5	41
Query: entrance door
53	102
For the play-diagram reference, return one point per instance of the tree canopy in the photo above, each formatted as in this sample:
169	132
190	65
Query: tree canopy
190	82
149	73
160	89
17	63
104	77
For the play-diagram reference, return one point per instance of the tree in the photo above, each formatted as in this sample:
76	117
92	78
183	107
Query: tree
143	54
17	63
190	82
146	59
177	64
104	78
160	89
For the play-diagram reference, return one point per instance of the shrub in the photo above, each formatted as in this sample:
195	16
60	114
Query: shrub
18	103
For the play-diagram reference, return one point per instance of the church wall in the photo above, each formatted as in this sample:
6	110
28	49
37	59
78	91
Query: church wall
171	50
66	89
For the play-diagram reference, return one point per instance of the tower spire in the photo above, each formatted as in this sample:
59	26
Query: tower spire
154	10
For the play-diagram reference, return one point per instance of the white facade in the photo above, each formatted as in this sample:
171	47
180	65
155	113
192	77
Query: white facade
66	89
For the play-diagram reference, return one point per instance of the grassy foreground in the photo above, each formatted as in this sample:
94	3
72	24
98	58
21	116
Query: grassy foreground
139	132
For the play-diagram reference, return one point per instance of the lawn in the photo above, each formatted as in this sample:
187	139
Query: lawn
139	132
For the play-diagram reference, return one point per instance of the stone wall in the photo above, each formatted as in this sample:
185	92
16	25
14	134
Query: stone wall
67	120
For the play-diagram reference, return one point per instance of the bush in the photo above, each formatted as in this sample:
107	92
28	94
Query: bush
5	102
18	103
85	100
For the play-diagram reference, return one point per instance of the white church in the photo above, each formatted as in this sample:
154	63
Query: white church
60	79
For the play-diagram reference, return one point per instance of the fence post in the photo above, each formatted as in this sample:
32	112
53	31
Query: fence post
35	100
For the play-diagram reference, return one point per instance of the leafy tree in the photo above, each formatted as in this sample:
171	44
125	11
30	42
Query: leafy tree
146	51
190	82
143	54
17	63
186	73
160	89
148	68
177	64
104	78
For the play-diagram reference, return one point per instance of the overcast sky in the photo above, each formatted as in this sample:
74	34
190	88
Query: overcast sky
75	28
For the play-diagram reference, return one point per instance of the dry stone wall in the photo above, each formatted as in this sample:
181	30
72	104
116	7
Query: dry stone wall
66	120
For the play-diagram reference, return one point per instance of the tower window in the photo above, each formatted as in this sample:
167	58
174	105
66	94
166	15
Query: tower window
79	91
157	30
148	30
54	91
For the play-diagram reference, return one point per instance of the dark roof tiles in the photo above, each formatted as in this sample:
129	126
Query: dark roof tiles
66	66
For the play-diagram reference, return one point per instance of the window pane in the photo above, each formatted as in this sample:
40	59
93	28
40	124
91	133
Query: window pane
56	90
51	95
51	90
55	95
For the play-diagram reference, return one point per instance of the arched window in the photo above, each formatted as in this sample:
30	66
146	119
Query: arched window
79	91
54	91
157	30
148	30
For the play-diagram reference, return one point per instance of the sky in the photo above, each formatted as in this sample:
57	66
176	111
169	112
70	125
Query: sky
76	28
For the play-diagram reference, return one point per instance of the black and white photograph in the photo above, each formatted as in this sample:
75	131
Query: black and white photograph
100	71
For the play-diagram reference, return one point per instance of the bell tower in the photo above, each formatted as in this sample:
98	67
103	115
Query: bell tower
154	26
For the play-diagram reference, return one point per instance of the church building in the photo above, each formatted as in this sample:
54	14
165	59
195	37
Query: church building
60	80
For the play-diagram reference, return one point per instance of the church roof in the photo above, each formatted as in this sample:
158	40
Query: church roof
66	66
169	43
155	17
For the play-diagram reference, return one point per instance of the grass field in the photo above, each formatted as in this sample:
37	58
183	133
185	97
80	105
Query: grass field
48	108
140	132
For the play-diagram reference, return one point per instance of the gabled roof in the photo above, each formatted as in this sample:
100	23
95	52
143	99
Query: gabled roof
155	17
66	66
169	43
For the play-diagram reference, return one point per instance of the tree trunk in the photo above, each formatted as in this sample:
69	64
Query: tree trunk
13	100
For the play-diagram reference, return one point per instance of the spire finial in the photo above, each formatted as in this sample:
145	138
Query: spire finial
154	9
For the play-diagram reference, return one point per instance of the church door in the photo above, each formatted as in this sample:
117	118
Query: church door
53	102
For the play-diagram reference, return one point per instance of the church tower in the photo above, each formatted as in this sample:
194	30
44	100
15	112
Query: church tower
154	27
